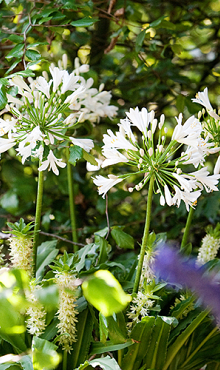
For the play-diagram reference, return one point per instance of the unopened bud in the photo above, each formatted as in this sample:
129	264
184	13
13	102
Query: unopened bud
141	152
150	151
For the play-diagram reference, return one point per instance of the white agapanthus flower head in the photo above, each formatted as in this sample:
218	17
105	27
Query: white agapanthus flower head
44	108
134	144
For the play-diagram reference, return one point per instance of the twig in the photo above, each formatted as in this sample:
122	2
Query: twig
61	238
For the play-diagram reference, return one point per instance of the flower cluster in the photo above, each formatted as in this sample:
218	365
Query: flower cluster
67	310
43	109
21	249
209	246
140	307
135	145
36	322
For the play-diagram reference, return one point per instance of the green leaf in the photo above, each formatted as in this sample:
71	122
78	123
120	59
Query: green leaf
46	253
105	293
10	366
105	363
44	354
157	22
99	348
10	201
26	363
3	97
84	329
139	40
16	62
89	158
104	248
46	19
37	44
76	153
48	296
122	239
140	335
84	22
157	350
32	55
177	48
16	38
16	52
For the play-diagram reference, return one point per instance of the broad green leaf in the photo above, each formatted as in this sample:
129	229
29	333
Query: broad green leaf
76	153
157	350
26	363
105	293
16	52
140	335
177	48
46	253
181	339
16	38
84	328
122	239
104	248
89	158
44	354
157	22
84	22
46	19
32	55
115	334
139	40
3	98
37	44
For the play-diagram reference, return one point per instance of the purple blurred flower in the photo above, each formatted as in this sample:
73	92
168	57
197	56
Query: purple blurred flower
171	267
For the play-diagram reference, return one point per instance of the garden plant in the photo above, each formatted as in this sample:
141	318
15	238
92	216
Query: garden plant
109	197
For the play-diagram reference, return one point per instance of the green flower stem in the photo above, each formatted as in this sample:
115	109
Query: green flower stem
145	236
187	228
37	217
71	201
64	360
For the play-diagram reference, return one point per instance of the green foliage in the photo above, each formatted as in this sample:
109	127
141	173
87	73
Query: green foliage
104	292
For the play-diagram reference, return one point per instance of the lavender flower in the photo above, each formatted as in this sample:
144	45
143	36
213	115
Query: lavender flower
170	266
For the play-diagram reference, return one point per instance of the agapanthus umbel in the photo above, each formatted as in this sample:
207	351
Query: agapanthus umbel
36	321
67	313
134	145
44	109
21	248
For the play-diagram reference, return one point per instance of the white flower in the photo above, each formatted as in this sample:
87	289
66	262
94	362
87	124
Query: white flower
140	119
208	250
168	196
26	145
188	197
217	166
90	167
52	162
186	184
12	99
105	184
18	81
126	124
69	82
203	179
57	76
203	99
189	132
21	248
43	86
67	313
117	141
86	144
6	144
113	156
36	322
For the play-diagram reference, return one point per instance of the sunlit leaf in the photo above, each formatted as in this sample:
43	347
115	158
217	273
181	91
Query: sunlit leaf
105	293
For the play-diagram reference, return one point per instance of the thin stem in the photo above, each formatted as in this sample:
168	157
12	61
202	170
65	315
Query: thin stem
64	360
71	201
187	228
145	236
37	217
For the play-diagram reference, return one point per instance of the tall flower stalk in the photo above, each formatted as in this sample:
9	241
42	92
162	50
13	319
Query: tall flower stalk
157	163
43	112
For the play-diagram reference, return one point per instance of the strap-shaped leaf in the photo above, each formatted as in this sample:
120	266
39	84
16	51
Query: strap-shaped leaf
140	335
157	351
